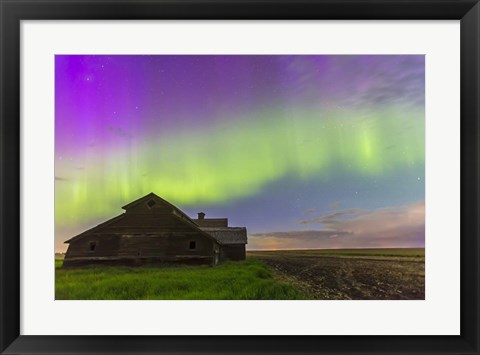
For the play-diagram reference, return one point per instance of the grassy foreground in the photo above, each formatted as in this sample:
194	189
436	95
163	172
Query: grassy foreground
245	280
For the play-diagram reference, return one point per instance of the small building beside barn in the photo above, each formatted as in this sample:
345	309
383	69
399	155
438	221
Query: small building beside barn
152	230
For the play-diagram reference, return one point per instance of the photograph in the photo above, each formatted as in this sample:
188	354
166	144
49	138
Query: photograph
239	177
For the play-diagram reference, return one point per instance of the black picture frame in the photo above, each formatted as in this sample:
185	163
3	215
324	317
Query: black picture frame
14	11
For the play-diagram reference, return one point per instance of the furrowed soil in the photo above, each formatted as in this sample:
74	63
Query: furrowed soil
351	274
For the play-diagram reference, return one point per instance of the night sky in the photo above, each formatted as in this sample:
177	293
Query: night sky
319	151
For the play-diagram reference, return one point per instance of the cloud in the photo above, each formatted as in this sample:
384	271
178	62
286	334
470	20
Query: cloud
310	211
299	235
118	131
293	239
390	227
390	222
335	205
385	80
361	81
331	217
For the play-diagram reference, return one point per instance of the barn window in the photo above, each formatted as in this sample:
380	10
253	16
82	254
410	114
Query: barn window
92	246
151	203
192	245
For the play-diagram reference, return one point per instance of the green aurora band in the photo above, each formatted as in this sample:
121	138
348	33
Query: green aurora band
234	159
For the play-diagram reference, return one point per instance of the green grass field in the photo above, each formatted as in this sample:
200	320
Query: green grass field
265	275
245	280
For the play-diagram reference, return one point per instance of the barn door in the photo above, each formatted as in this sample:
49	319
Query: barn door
216	255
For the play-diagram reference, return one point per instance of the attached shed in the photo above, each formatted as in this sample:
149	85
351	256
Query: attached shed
152	230
232	241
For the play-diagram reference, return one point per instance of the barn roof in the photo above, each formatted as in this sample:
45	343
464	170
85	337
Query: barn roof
222	235
228	235
154	196
212	222
106	223
177	213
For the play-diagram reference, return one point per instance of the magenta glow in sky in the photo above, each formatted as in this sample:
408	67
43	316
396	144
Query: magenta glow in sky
303	150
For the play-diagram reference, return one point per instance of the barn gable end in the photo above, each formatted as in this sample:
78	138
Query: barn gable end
153	230
150	230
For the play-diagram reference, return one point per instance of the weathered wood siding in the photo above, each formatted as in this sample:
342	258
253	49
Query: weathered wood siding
142	248
212	222
171	246
143	234
105	245
232	252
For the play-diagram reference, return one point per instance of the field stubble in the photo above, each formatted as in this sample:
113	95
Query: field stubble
388	274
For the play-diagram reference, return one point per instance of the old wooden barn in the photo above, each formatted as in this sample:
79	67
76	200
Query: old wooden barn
153	230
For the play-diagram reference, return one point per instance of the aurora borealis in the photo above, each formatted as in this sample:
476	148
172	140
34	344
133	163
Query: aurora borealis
305	151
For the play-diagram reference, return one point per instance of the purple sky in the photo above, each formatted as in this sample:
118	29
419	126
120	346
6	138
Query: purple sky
305	151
